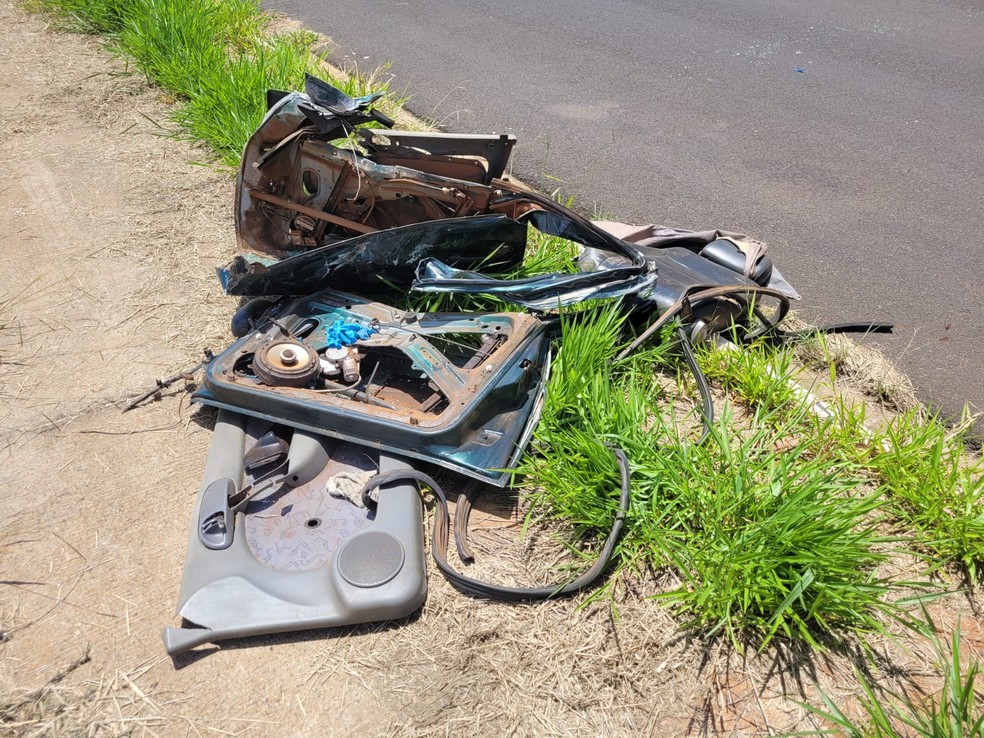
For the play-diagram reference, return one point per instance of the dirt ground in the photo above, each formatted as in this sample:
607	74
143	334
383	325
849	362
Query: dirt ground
111	234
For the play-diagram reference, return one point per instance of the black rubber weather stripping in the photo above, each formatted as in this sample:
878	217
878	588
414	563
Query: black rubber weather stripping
462	511
476	588
862	327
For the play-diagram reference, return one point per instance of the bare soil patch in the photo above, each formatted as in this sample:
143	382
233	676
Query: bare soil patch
111	234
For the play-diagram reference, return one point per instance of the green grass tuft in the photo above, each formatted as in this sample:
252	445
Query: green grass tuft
765	531
229	101
98	17
936	488
770	538
758	374
955	711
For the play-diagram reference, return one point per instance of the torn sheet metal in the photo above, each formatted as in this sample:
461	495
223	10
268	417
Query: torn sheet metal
336	386
462	390
431	257
379	261
311	214
540	294
472	157
431	211
545	292
297	190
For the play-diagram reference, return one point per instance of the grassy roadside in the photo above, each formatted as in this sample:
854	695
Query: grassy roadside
217	57
779	526
779	523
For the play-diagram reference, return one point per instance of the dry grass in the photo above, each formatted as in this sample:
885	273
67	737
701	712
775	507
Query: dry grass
863	368
72	703
471	668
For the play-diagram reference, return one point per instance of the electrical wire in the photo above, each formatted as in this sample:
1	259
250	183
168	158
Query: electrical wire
697	294
707	400
476	588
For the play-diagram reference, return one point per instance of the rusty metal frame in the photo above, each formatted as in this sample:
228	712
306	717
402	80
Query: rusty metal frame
486	407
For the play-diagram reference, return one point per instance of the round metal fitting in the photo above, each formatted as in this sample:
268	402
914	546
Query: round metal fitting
288	356
286	364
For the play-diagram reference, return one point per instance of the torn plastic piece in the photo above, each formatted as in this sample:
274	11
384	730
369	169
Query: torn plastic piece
715	245
339	335
334	99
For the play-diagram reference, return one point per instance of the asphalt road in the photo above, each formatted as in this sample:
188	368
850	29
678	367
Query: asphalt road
848	135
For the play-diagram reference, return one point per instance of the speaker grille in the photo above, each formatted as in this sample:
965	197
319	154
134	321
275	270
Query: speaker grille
370	559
